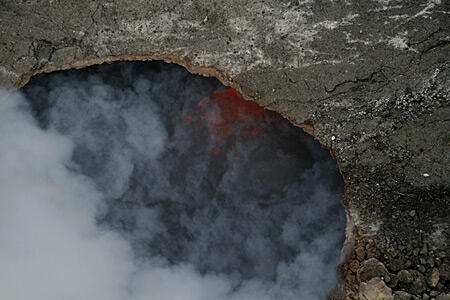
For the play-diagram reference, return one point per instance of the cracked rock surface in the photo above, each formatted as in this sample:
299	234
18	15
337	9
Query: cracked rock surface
369	79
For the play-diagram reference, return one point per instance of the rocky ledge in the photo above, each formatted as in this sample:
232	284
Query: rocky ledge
368	79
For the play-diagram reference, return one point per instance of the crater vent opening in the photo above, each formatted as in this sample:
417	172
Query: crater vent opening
139	179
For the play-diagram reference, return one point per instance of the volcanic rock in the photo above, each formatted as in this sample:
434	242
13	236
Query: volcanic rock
375	289
368	79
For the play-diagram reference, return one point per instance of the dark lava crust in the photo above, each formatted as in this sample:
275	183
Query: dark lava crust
369	79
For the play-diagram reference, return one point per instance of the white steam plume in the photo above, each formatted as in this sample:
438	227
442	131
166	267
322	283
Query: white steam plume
110	195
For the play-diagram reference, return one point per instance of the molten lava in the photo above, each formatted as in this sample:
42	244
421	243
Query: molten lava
229	116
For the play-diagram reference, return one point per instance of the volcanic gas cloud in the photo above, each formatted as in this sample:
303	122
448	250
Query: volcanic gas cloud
142	181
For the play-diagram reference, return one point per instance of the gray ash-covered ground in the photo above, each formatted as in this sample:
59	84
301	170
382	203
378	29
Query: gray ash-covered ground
189	180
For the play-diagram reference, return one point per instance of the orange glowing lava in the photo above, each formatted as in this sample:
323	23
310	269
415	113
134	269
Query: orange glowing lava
228	116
